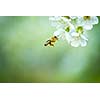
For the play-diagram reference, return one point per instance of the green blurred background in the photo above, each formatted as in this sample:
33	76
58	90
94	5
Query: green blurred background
23	57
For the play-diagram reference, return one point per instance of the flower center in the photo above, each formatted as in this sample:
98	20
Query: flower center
86	17
67	29
79	29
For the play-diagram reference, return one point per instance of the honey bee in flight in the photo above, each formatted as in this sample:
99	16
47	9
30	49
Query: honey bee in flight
51	41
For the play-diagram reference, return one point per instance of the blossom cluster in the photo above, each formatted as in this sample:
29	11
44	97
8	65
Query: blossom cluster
73	28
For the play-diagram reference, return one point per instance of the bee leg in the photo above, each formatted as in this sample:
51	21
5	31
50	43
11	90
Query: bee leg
45	44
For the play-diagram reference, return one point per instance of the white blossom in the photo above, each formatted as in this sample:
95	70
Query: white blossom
87	21
61	33
76	39
59	22
73	28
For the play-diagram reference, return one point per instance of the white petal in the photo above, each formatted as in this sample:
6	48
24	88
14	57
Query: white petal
73	17
83	43
58	32
54	18
88	26
84	37
74	34
75	43
68	37
94	20
59	26
80	21
54	24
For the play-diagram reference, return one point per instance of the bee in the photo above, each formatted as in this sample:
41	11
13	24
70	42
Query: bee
51	41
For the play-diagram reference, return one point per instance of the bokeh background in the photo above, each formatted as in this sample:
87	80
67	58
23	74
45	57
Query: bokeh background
23	57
